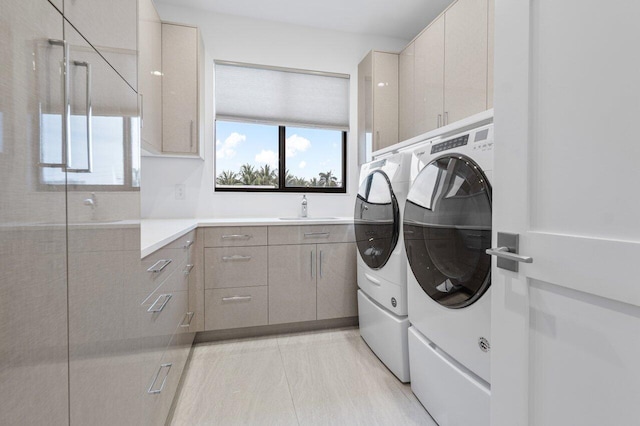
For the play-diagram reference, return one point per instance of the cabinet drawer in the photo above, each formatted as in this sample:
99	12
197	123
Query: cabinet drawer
235	307
311	234
234	236
235	267
159	316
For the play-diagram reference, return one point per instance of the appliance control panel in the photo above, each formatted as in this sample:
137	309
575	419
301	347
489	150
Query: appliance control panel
449	144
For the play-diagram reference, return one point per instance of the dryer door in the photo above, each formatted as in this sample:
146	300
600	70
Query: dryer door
376	219
447	228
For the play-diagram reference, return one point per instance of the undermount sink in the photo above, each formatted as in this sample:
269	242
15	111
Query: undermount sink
308	218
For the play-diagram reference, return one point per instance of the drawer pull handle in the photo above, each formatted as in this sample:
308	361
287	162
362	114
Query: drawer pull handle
188	316
236	237
153	309
159	265
151	390
188	244
235	298
316	234
188	268
235	257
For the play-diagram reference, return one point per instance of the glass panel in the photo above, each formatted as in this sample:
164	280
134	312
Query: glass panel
246	155
447	228
314	158
376	219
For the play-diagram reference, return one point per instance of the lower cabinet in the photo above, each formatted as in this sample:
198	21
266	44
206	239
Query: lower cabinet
337	285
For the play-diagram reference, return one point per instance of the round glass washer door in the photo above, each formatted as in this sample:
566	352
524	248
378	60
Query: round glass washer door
447	228
376	219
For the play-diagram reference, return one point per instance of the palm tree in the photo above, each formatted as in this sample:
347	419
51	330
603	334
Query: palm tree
227	177
248	175
313	182
267	176
328	179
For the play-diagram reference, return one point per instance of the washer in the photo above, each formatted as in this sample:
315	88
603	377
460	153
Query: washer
382	262
447	228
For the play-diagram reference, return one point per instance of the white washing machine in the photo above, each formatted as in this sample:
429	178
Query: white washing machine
382	262
447	228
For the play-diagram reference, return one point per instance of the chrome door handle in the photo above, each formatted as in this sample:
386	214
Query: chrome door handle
151	390
89	168
159	265
191	134
316	234
188	315
235	298
188	244
188	268
446	118
439	120
66	109
311	256
320	267
235	257
236	236
141	110
152	309
504	253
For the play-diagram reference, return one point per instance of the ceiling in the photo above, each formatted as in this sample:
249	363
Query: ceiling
402	19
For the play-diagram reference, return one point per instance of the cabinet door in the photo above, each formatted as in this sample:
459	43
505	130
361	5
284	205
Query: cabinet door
385	100
337	281
365	107
33	290
179	89
429	70
111	27
406	119
292	283
490	26
150	75
465	83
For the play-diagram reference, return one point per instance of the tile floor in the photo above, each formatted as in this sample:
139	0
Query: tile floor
327	377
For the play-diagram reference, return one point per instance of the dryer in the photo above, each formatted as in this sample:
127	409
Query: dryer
381	260
447	228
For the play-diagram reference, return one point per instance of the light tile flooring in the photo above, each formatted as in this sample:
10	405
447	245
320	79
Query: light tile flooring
327	377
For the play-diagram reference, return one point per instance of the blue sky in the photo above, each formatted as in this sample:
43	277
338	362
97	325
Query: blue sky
309	151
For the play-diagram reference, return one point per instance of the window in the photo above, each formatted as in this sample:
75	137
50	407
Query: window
280	130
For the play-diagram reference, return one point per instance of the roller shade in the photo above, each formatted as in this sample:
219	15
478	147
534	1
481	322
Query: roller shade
281	96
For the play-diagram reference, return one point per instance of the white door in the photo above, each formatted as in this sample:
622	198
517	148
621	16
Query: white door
566	328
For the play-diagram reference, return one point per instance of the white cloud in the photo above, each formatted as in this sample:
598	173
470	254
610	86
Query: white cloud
297	143
226	149
267	157
302	164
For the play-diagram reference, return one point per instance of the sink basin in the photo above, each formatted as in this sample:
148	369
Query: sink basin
308	218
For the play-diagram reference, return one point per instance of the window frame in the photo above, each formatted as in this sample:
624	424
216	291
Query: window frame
282	171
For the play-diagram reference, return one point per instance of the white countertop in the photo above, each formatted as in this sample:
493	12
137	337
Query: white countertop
157	233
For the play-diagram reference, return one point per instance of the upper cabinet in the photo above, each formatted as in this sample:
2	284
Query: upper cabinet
110	27
446	73
378	100
181	55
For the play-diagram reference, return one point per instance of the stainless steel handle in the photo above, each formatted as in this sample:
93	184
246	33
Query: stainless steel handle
191	134
316	234
89	168
311	257
152	308
188	269
188	315
236	236
504	253
235	298
439	120
151	390
188	244
66	110
320	266
141	110
446	118
159	265
235	257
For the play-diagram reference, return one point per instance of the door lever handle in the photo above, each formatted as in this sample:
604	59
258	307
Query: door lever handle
504	253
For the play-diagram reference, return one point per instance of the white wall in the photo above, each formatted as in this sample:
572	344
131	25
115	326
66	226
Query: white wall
239	39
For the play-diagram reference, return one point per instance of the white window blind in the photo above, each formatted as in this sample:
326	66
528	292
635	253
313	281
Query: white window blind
280	96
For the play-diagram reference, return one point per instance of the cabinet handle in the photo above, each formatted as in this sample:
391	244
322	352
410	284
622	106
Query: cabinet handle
151	390
439	120
141	110
235	298
66	110
311	264
152	309
89	168
316	234
188	315
188	269
191	134
188	244
446	118
320	268
159	265
235	257
236	237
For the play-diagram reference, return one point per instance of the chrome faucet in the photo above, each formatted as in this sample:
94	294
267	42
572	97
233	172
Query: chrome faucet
92	202
303	207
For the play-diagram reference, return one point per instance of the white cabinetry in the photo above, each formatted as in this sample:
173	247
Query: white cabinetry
429	70
150	76
406	89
